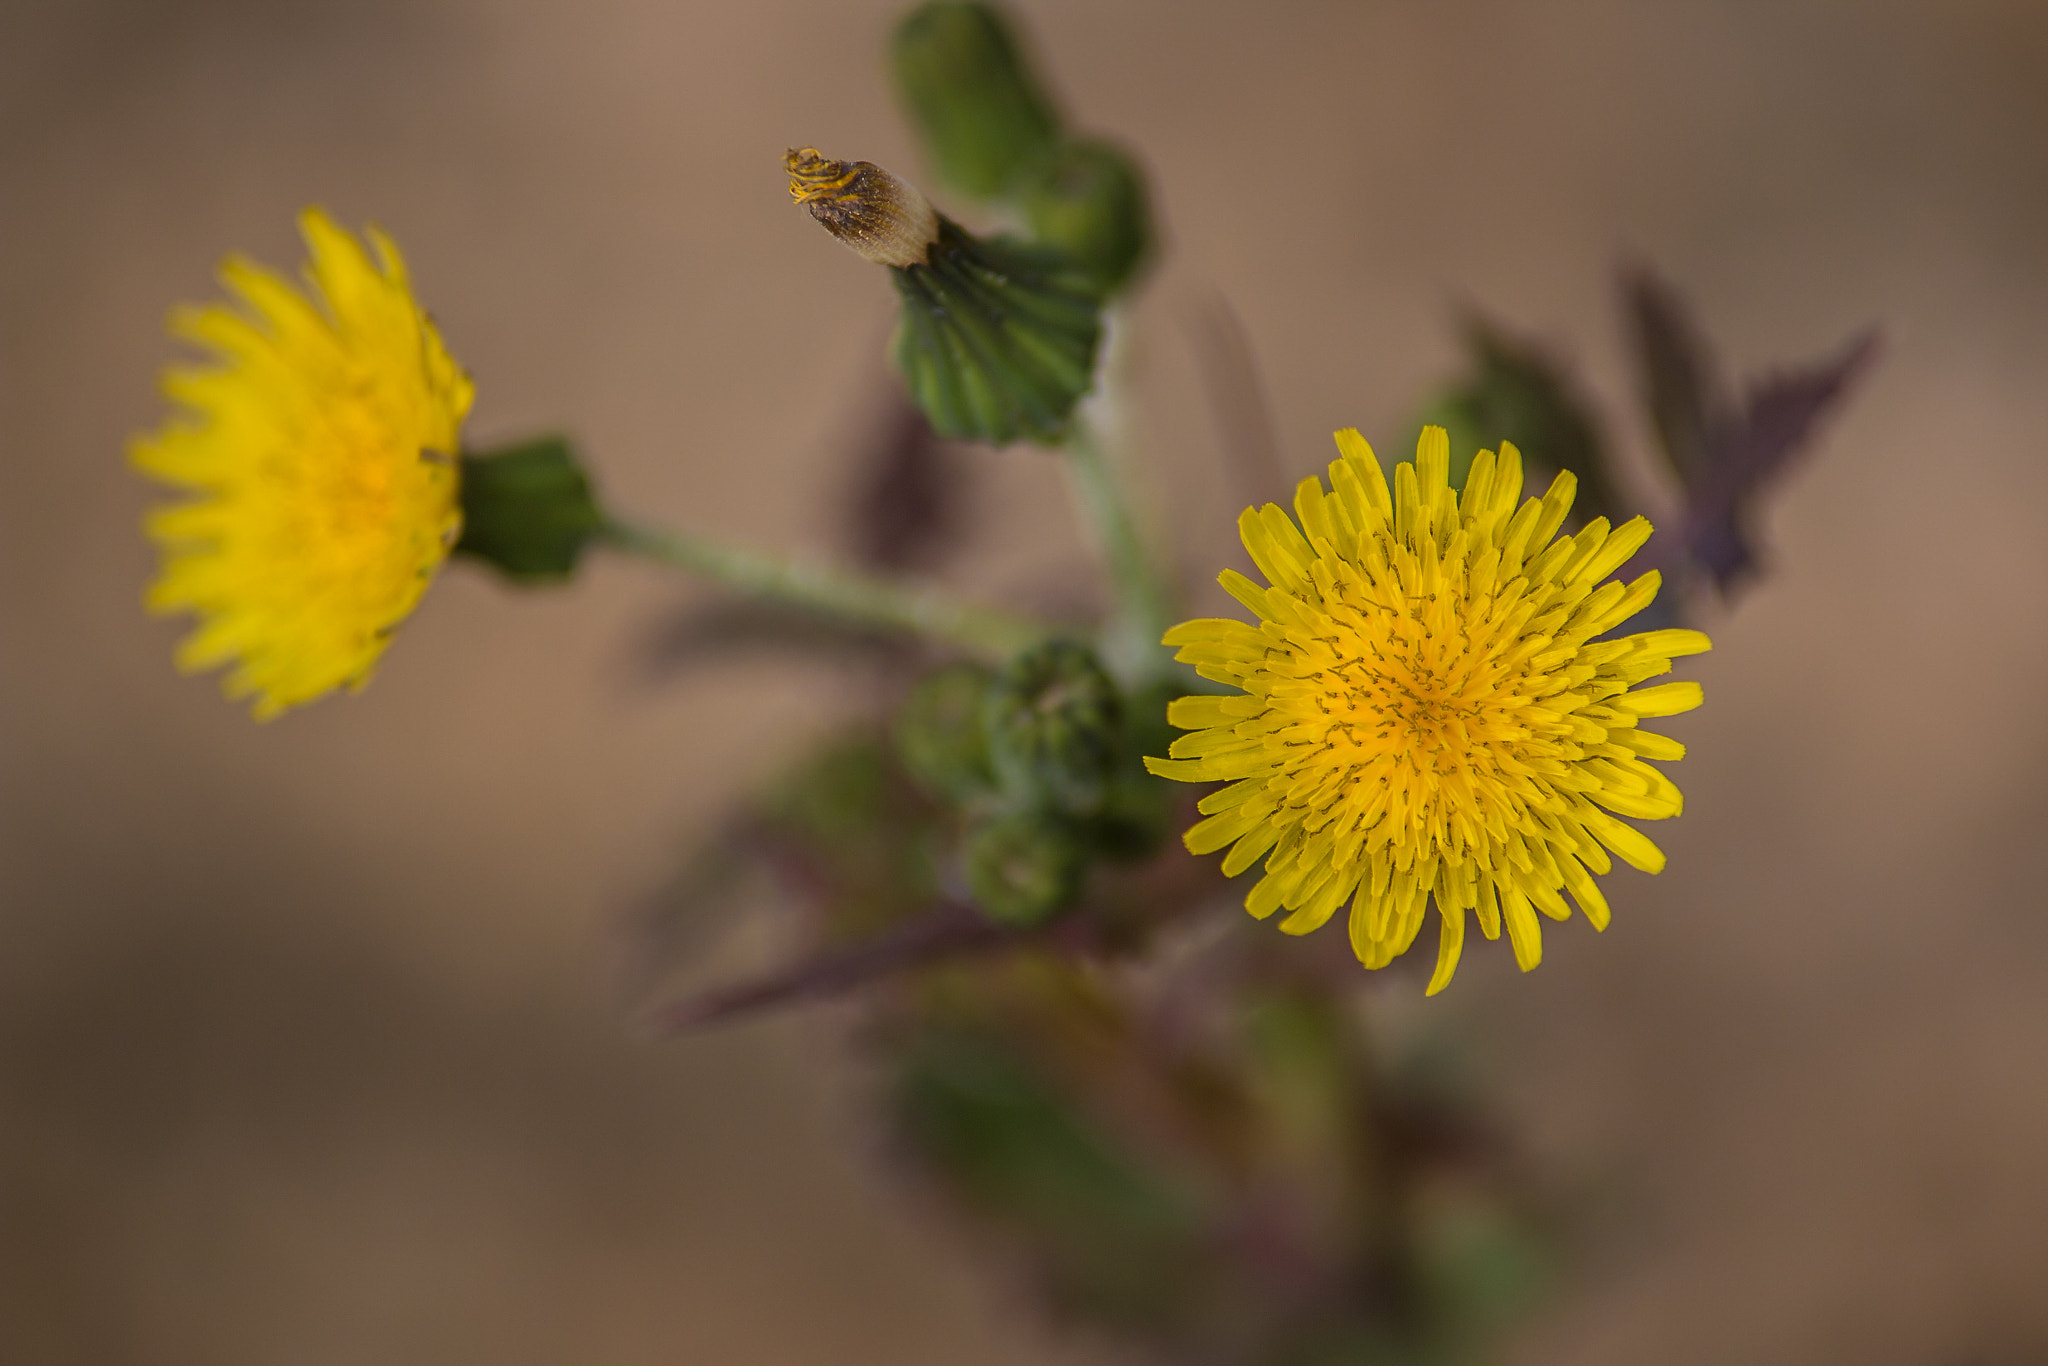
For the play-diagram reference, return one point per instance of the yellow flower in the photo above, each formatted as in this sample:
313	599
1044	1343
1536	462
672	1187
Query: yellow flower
1426	710
321	446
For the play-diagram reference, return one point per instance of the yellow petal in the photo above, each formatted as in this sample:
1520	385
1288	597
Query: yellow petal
1450	943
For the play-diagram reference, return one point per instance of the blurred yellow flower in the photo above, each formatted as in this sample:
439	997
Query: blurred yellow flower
1425	710
321	446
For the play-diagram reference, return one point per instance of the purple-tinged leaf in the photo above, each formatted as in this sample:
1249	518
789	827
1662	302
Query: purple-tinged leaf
694	903
1725	448
1683	387
1777	420
952	930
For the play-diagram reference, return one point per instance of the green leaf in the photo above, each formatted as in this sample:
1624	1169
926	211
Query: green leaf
1517	392
527	509
983	117
1117	1237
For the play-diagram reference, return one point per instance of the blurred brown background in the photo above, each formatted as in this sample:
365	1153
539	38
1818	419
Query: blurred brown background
306	1048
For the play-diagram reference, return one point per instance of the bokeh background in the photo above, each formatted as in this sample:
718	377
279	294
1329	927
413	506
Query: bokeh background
308	1046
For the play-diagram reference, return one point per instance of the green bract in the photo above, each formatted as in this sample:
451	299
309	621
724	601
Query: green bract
998	338
527	509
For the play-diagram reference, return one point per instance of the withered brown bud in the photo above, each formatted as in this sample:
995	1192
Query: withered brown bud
879	215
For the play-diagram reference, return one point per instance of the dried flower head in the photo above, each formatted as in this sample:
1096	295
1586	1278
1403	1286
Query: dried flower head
1430	707
879	215
322	452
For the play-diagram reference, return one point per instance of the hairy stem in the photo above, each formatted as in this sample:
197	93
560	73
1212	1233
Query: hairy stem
1143	601
833	593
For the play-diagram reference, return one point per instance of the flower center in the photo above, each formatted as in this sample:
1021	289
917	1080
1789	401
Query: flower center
1415	686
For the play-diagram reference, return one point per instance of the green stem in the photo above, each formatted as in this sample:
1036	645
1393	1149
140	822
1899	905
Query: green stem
832	593
1143	606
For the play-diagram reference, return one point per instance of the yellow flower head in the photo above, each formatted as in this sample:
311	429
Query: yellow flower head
1425	710
321	447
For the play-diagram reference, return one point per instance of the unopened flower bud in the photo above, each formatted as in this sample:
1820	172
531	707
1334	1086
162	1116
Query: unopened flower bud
1055	728
1024	867
939	734
984	118
882	216
1089	200
1138	809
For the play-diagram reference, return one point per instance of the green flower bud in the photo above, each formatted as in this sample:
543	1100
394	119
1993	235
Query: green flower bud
1090	201
1023	867
939	734
1055	728
1138	809
527	509
972	97
1135	819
